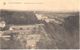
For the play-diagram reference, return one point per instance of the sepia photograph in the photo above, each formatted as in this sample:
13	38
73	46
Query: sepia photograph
45	24
39	30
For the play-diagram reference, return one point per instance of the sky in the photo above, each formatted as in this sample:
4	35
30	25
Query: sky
41	5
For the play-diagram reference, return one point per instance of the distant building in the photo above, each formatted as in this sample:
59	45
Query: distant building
41	17
53	20
57	20
24	27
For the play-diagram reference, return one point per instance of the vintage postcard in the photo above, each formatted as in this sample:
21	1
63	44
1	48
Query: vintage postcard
39	24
